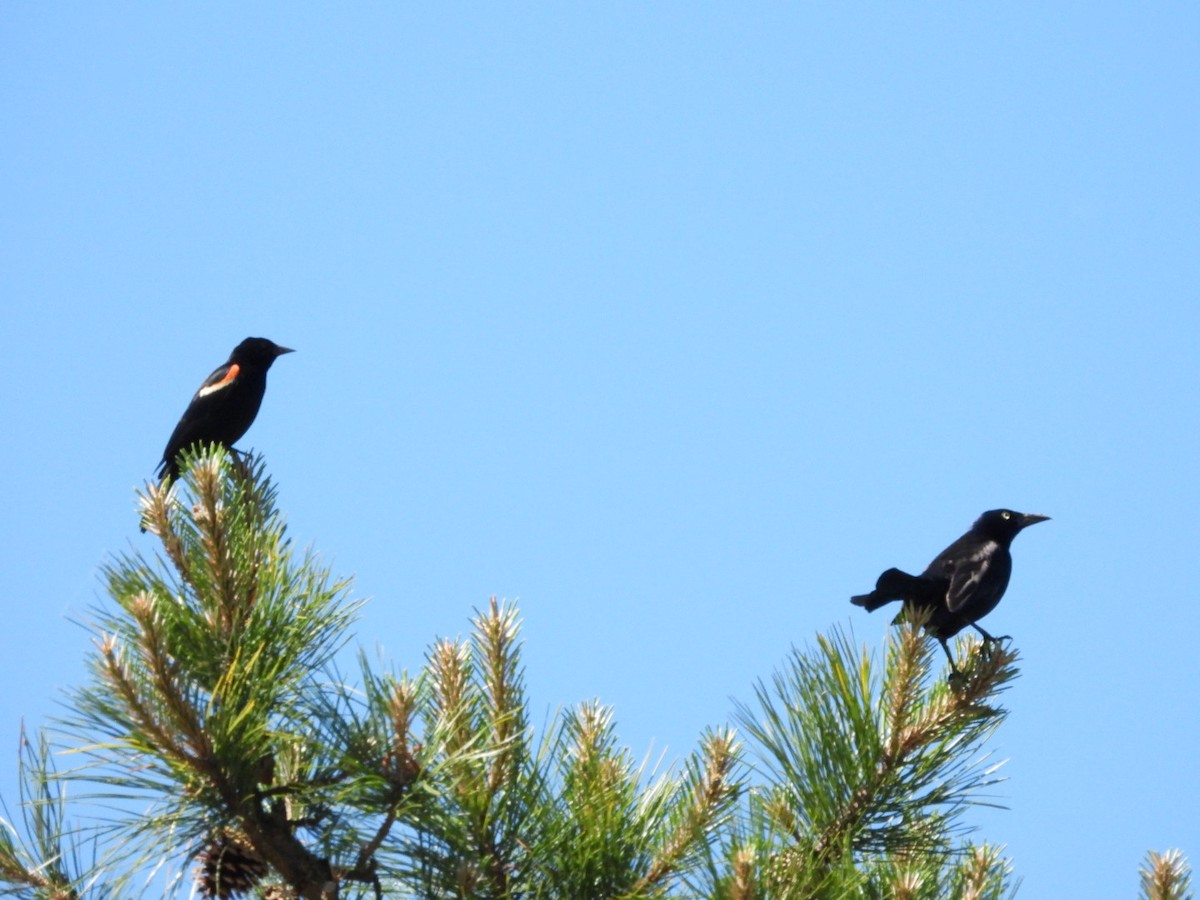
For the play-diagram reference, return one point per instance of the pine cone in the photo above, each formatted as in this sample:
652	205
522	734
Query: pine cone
228	865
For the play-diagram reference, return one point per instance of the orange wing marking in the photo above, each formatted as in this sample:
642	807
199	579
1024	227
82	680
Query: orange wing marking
217	385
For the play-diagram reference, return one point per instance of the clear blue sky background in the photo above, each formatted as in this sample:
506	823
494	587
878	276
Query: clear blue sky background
676	323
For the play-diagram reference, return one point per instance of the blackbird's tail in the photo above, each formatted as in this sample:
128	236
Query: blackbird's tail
892	585
167	470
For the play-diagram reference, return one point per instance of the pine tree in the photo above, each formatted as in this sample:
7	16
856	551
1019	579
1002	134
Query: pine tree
218	744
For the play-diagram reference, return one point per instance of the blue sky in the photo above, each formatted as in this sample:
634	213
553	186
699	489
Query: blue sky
676	323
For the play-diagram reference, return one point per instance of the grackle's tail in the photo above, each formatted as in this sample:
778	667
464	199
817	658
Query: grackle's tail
892	585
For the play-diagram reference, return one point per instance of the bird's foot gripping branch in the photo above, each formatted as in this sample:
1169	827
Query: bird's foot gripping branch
985	664
867	769
226	487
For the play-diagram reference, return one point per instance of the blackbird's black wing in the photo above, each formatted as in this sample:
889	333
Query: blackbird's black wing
198	420
978	570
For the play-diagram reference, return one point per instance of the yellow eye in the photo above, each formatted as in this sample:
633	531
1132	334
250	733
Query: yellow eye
1006	515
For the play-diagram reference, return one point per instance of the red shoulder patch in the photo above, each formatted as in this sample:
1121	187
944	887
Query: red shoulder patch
217	383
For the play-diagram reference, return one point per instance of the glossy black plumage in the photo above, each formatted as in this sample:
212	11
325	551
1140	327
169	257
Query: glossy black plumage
963	583
226	403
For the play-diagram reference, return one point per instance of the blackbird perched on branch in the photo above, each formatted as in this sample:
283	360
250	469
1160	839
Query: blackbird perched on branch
962	584
225	405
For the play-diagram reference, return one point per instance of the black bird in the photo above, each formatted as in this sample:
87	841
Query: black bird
963	583
226	403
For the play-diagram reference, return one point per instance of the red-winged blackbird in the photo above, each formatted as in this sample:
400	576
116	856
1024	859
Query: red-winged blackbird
226	403
963	583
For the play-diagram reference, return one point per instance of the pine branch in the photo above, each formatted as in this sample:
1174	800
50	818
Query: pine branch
205	672
983	873
702	800
1166	876
42	859
218	728
859	764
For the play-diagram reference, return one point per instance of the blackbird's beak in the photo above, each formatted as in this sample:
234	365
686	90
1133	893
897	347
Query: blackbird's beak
279	351
1028	519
